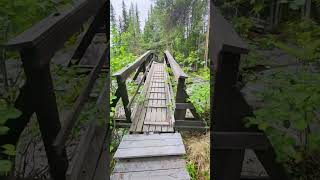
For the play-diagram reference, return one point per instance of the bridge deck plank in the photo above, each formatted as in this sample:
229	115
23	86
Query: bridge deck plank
154	108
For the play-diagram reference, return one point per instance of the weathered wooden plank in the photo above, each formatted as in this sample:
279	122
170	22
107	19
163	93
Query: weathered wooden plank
125	72
150	143
170	174
176	69
156	123
141	137
149	164
129	153
139	118
92	158
155	106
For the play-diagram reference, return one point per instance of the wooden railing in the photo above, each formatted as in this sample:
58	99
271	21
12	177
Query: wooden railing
37	46
228	108
181	97
142	64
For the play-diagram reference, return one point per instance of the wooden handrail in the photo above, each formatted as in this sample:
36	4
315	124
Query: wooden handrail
223	37
125	72
139	85
72	116
176	69
50	34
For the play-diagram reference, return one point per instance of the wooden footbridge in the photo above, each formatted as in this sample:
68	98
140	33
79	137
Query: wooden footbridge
153	149
154	115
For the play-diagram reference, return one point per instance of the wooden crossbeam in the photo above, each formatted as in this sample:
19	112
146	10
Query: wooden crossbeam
240	140
184	106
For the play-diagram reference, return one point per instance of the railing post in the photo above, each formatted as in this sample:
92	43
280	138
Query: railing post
40	87
229	107
181	97
124	96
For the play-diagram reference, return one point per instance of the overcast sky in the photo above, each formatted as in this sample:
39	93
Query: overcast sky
143	7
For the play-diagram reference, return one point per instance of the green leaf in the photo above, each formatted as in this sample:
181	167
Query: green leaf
5	166
3	130
9	149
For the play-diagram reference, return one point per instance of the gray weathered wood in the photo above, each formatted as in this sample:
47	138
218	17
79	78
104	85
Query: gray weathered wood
176	69
170	174
139	137
150	143
156	123
125	72
149	164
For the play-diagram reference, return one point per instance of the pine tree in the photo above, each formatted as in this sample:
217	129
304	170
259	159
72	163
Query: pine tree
112	16
125	20
120	25
138	30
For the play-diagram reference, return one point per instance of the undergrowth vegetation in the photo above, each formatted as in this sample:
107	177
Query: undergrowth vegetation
289	114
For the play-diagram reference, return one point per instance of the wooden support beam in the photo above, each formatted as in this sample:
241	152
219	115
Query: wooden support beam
240	140
72	115
184	106
180	98
124	97
192	123
40	87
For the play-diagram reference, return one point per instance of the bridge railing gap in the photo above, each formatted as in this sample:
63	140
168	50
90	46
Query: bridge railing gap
37	45
142	64
181	98
229	137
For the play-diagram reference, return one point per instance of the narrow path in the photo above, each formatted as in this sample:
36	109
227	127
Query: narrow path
150	157
158	152
153	113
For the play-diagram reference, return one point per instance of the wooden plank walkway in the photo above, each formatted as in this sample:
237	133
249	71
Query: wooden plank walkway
150	156
153	113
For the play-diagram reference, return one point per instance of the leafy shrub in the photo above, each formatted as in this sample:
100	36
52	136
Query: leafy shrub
291	105
7	151
242	25
199	96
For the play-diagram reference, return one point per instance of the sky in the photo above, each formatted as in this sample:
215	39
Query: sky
143	7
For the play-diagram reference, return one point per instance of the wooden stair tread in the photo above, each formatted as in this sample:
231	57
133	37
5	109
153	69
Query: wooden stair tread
154	145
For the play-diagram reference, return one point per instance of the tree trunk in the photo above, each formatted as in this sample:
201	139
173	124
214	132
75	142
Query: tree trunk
206	52
4	69
277	13
272	15
308	9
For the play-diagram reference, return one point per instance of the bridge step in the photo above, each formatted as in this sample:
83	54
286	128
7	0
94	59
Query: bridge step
150	156
163	168
153	145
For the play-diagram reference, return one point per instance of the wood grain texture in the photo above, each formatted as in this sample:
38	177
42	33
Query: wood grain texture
170	174
149	164
153	145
